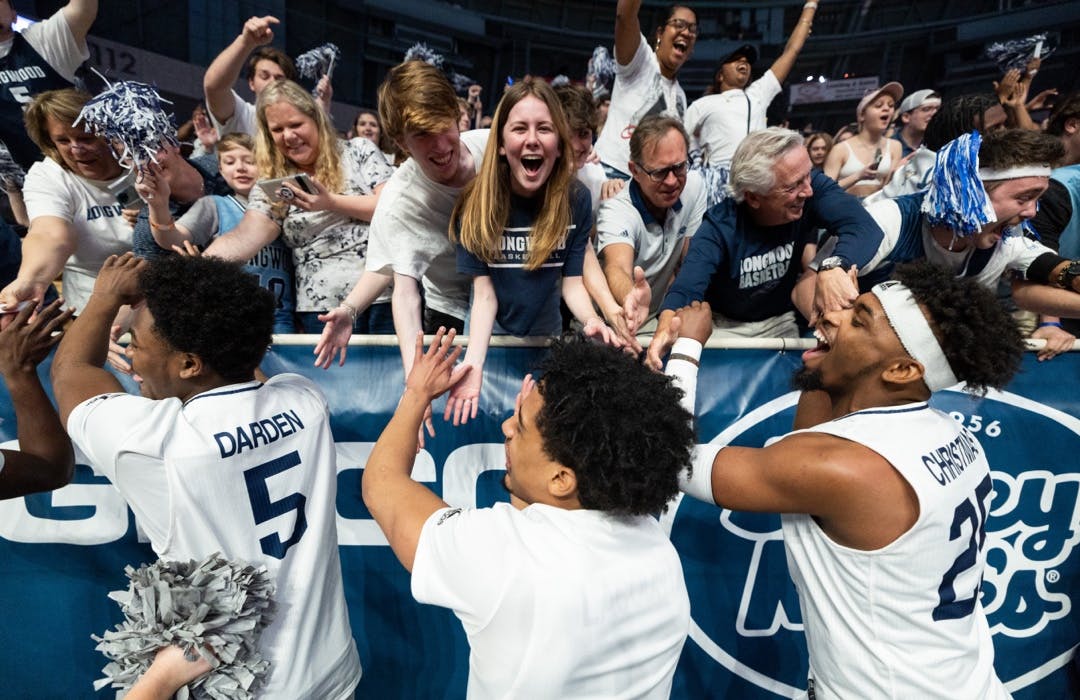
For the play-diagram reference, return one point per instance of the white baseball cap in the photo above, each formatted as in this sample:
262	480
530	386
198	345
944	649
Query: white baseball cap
918	99
894	90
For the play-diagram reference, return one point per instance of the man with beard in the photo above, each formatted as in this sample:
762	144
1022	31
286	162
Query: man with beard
883	499
572	589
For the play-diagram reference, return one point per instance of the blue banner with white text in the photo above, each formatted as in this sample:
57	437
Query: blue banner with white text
62	552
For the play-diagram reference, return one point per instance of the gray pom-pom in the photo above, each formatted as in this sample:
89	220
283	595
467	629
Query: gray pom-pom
130	116
11	173
421	52
1016	53
319	61
214	608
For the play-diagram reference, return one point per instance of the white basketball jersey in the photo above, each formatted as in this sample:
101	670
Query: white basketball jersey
249	470
903	621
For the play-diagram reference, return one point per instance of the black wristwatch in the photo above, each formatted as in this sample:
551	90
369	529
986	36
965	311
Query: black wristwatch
832	262
1069	273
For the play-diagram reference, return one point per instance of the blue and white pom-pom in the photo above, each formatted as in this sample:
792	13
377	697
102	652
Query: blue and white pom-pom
956	197
422	52
131	118
1016	53
600	75
214	608
319	61
11	173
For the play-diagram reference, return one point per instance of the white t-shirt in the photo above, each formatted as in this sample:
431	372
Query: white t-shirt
904	620
557	603
94	213
53	40
1013	254
657	247
410	232
592	176
248	470
718	123
639	90
329	247
242	119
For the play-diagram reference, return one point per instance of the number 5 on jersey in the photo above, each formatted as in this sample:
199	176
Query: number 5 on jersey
264	509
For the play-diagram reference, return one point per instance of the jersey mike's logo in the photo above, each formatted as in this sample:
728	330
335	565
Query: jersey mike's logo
746	632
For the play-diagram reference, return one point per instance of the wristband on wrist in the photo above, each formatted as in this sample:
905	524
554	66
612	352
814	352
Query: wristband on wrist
162	227
1055	324
810	5
687	349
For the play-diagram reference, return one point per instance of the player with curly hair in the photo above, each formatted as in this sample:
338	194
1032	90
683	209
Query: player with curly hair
883	499
572	589
194	456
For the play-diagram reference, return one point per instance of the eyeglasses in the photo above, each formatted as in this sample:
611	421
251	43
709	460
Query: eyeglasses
660	174
682	25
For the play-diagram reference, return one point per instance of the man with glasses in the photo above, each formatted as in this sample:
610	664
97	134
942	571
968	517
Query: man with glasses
645	80
649	224
751	248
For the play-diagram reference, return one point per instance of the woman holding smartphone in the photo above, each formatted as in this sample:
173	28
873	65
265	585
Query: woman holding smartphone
326	227
862	164
522	229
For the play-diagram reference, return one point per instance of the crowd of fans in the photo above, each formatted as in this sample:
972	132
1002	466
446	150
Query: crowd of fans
605	208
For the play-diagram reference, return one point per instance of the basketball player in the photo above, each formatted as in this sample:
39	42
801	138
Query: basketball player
210	459
571	590
883	499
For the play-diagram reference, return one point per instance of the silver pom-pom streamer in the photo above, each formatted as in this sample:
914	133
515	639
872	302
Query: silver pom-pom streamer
1016	53
600	75
214	608
130	116
422	52
319	61
956	197
11	173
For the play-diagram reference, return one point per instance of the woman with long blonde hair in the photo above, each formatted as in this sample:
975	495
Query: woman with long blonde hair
522	229
326	227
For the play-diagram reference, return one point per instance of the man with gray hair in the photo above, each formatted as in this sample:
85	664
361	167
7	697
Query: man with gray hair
650	223
751	248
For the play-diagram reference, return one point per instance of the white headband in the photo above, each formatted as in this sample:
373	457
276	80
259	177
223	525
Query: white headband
913	330
990	175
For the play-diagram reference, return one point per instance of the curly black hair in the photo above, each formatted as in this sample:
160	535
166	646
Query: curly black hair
617	424
211	308
981	341
957	116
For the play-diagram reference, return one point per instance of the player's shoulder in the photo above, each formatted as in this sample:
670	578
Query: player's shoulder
290	381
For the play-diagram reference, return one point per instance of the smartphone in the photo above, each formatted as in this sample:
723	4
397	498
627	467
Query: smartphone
276	190
877	159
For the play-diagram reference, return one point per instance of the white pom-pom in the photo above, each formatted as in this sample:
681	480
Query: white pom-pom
130	116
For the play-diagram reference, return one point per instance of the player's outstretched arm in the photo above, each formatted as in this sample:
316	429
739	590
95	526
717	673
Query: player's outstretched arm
78	370
400	505
45	460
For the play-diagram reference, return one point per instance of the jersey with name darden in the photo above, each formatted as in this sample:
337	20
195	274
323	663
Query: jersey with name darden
248	470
